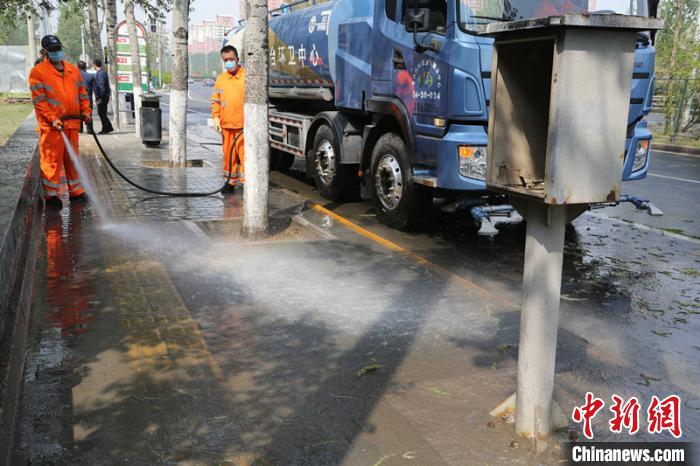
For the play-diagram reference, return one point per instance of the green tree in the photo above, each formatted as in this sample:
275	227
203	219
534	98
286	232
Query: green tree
13	34
71	18
677	62
13	11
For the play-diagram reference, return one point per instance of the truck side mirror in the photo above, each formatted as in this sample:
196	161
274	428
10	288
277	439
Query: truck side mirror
418	20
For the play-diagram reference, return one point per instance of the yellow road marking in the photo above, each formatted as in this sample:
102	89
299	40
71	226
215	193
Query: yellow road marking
470	286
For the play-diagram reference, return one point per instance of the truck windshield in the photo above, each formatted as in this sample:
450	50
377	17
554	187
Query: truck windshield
473	14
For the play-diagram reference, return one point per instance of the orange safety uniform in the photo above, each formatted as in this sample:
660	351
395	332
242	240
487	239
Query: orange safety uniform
227	105
55	95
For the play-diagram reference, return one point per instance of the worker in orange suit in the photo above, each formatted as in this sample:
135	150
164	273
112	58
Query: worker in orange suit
227	113
60	100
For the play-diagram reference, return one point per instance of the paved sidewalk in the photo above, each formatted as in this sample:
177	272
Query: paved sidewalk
162	338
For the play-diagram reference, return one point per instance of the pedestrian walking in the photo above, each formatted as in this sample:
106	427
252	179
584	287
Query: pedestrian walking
89	80
102	95
227	113
60	99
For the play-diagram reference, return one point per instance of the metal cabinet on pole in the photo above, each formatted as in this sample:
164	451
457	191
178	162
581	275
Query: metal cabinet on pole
557	129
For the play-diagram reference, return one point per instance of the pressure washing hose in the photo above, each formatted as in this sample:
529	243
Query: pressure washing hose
163	193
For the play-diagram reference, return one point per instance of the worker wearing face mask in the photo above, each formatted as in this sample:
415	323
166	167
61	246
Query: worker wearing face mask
227	113
60	98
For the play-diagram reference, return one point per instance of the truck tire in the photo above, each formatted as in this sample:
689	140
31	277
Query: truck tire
332	179
398	201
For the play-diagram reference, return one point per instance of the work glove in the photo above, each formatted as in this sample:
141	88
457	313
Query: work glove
87	119
217	125
58	124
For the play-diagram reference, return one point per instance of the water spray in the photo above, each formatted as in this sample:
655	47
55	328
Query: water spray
229	175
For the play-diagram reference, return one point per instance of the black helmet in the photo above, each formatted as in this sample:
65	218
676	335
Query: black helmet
51	43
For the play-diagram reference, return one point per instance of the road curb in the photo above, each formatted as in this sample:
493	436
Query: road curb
683	150
21	215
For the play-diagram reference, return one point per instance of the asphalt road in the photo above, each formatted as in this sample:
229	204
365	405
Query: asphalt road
673	182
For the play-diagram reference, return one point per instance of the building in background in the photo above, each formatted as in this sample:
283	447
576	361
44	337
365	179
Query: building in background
207	36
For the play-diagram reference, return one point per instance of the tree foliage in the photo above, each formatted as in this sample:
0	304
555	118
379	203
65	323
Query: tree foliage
71	18
14	11
677	63
13	34
155	9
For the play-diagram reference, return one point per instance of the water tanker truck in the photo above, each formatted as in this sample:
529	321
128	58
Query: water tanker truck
366	103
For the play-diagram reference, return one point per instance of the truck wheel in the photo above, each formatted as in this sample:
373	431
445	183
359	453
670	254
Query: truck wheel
398	201
330	175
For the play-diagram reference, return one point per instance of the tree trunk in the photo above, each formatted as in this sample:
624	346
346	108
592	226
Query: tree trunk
687	121
31	41
135	62
257	151
678	22
177	130
110	8
95	42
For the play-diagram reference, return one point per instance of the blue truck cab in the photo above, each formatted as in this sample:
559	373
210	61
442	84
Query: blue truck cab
362	101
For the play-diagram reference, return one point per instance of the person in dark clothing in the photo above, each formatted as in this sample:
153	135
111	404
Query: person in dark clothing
89	80
102	94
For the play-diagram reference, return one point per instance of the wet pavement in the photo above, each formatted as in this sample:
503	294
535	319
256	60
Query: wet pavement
162	338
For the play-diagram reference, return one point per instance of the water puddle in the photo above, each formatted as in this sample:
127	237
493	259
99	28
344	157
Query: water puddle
85	180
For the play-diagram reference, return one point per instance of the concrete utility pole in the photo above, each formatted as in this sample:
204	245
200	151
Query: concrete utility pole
31	43
539	319
179	85
135	62
111	23
255	111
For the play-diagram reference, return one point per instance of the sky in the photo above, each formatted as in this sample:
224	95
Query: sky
202	9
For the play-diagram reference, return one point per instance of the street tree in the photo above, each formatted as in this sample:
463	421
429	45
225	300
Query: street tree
255	111
12	11
110	8
135	62
678	58
93	19
179	85
70	21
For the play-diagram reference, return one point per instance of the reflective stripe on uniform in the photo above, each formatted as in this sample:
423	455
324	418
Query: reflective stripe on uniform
84	97
80	84
51	184
55	102
39	98
37	86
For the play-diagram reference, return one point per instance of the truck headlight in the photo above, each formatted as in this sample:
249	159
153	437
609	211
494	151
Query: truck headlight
472	162
641	154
